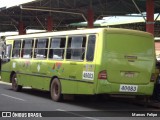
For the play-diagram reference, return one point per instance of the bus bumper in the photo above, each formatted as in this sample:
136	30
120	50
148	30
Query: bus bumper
113	88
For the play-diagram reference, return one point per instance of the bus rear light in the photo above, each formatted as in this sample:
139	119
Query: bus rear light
102	75
153	77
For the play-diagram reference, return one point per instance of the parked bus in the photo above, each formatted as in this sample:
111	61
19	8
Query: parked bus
89	61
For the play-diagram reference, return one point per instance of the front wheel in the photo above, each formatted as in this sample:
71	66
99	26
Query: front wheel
55	90
15	85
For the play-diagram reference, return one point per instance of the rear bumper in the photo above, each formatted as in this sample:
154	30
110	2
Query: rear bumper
112	88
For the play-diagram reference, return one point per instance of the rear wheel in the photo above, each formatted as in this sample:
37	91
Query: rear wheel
15	85
55	90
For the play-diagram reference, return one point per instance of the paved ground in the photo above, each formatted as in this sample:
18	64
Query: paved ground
82	108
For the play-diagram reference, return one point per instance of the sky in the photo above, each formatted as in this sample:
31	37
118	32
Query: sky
11	3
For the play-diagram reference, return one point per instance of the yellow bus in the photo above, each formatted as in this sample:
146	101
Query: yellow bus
89	61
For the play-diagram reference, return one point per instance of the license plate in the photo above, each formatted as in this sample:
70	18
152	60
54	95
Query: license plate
128	88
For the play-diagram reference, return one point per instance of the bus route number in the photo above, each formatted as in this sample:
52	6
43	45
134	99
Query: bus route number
88	75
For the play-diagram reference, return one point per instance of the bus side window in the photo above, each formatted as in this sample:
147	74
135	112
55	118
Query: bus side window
27	48
57	47
76	48
91	48
41	48
16	49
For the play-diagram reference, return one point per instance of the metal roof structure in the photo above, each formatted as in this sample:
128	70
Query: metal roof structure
64	12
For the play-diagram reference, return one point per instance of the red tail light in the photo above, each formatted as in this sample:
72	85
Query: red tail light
102	75
153	77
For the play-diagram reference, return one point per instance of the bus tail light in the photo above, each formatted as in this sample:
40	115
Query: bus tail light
102	75
153	77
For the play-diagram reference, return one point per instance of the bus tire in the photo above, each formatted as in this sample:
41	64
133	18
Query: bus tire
15	85
55	90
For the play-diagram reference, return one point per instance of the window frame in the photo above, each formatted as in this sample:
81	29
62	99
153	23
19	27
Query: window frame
36	48
82	48
88	47
16	40
31	48
57	48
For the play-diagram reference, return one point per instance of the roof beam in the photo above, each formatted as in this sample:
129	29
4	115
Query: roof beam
14	21
52	10
138	9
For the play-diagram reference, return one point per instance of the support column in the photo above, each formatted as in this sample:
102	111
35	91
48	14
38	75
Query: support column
150	16
21	28
90	17
49	24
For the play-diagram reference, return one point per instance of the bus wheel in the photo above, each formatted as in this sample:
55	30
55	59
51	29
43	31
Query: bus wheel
15	85
56	90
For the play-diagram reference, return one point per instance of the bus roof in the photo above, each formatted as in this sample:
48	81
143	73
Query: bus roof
81	31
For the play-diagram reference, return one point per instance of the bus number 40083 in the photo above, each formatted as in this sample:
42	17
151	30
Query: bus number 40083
88	75
128	88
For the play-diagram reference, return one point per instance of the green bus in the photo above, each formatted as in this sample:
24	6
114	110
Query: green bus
87	62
